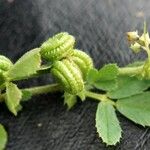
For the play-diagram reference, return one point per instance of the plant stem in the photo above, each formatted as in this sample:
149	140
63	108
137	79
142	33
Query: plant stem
56	88
99	97
38	90
130	70
43	89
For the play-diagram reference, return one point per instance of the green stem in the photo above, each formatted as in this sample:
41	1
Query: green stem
38	90
99	97
55	88
130	70
44	89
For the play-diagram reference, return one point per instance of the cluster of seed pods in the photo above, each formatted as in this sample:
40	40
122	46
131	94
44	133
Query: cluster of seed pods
70	66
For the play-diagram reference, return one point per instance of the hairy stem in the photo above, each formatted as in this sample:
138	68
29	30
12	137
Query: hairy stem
44	89
38	90
56	88
130	70
99	97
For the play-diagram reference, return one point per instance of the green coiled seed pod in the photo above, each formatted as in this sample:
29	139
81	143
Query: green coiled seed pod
68	75
83	61
5	63
58	47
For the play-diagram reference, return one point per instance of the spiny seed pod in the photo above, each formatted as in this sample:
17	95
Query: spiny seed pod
83	61
68	75
5	63
58	47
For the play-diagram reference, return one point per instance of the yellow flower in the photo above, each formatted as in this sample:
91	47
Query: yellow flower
132	36
144	38
136	47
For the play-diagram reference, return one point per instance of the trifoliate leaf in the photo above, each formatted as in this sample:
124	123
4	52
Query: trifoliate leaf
136	108
13	97
3	137
70	100
27	65
105	78
128	86
107	123
26	95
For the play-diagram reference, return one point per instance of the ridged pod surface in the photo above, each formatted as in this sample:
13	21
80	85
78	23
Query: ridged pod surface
5	63
83	61
58	47
68	75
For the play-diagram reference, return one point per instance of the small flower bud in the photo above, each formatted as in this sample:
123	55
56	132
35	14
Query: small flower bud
144	39
132	36
5	63
136	47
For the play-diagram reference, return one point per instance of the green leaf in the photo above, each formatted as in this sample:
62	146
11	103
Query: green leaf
108	72
13	97
45	67
70	100
105	78
136	108
26	95
107	123
128	86
106	85
3	137
92	76
27	65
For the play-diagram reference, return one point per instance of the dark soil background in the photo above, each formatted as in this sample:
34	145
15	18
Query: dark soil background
99	27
